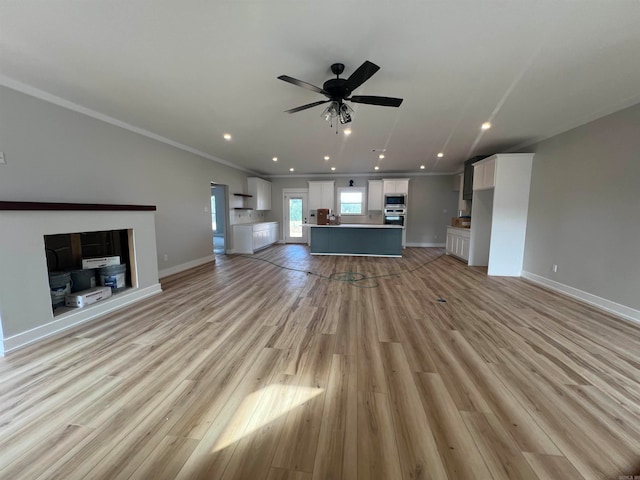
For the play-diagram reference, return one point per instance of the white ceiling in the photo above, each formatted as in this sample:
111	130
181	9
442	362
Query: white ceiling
193	70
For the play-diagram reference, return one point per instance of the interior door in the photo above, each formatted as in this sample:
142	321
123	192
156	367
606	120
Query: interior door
295	215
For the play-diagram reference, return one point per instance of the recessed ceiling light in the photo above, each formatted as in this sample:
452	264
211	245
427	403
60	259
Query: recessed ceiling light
376	168
440	155
333	169
291	169
421	167
347	131
275	159
327	157
381	156
227	136
485	126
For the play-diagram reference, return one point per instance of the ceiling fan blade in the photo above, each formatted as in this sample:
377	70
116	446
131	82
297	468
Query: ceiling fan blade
383	101
361	75
302	84
304	107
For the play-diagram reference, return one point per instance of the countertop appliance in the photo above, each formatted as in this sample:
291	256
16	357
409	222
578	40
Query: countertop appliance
323	216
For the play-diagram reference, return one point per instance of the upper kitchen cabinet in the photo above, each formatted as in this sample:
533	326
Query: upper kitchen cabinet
499	213
395	185
261	193
484	174
321	195
375	196
467	191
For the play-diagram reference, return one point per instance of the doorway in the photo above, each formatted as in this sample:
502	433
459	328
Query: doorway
295	215
219	218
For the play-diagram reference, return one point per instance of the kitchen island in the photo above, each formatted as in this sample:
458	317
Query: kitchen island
356	239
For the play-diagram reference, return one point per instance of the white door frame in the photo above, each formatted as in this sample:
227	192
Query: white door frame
226	219
286	194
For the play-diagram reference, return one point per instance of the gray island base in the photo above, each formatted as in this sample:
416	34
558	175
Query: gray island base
356	240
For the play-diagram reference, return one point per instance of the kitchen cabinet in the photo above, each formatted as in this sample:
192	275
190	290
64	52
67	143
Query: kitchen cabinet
499	214
260	190
463	206
375	198
251	237
458	242
484	174
321	195
467	191
395	185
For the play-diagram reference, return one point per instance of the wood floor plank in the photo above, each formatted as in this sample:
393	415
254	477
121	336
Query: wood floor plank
299	440
552	467
378	457
240	369
501	454
337	452
458	451
282	474
419	456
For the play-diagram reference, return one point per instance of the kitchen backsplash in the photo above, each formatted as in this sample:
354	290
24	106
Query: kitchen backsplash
245	216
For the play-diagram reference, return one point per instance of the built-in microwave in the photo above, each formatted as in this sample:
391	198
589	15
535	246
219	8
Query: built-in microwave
394	200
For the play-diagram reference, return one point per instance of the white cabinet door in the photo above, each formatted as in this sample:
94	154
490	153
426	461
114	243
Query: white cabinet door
451	243
458	242
484	173
375	195
400	185
321	195
261	193
315	195
464	248
266	196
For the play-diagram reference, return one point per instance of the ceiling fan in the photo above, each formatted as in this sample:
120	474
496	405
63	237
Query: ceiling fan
337	90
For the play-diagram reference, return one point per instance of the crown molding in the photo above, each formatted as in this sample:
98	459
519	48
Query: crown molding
61	102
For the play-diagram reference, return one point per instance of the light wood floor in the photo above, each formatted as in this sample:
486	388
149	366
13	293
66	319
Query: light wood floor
242	370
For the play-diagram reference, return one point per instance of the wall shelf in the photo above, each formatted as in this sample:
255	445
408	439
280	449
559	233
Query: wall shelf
241	202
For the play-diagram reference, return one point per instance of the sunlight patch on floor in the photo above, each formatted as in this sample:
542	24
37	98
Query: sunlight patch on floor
262	407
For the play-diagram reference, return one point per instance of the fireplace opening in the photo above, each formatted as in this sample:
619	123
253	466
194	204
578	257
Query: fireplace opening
77	262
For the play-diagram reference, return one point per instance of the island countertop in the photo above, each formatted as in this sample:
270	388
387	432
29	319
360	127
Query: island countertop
353	225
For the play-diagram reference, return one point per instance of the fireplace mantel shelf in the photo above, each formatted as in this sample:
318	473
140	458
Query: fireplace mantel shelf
43	206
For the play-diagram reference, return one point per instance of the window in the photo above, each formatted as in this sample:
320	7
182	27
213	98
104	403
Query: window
351	200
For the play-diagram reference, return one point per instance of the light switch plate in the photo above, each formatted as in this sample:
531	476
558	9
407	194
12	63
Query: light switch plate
2	160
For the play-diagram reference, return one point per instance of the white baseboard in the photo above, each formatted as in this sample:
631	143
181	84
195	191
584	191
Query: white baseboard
78	317
425	245
186	266
618	309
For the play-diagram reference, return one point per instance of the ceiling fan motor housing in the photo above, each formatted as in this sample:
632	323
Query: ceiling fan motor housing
337	88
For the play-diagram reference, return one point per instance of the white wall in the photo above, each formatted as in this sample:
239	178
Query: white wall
55	154
584	209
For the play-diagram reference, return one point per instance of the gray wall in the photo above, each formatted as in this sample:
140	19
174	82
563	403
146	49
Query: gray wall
584	208
57	155
432	203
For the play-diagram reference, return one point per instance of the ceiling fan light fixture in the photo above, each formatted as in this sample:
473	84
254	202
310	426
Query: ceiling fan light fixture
345	113
331	112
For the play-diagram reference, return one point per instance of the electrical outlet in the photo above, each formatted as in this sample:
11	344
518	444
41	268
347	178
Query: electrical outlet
206	209
554	268
2	159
